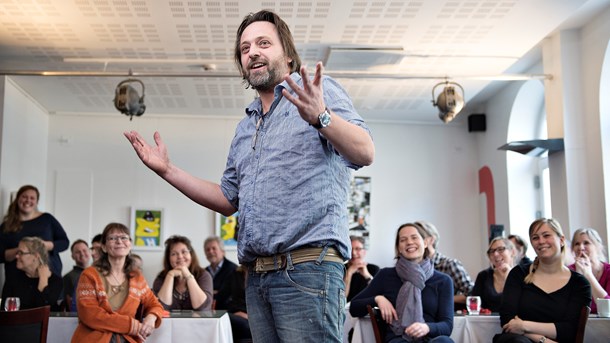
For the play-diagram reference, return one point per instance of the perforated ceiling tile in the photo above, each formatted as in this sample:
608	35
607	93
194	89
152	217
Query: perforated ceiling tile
182	36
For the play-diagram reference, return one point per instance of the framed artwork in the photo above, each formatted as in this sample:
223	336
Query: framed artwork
359	207
226	228
147	229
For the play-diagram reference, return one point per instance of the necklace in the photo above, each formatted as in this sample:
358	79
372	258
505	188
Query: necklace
115	288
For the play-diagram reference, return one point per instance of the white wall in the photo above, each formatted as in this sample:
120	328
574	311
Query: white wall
595	37
425	173
420	172
23	146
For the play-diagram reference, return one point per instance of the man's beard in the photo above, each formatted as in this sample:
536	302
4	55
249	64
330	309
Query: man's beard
264	81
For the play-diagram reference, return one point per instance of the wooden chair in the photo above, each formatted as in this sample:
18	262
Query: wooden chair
25	326
377	322
582	324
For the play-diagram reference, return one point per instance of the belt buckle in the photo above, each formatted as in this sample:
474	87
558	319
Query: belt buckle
259	265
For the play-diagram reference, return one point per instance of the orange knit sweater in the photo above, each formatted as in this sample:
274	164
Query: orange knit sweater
96	319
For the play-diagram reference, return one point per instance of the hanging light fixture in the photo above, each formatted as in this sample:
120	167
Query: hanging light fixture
127	100
449	102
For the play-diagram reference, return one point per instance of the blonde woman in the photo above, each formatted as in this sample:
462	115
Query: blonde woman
490	282
590	261
33	283
542	301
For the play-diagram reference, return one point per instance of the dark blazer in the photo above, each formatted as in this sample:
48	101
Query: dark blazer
222	284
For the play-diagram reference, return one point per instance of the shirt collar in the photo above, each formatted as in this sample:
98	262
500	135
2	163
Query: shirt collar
256	106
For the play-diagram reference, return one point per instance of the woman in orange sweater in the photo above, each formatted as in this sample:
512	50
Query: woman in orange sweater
109	293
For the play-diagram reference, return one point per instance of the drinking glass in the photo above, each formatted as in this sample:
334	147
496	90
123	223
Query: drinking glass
12	304
473	305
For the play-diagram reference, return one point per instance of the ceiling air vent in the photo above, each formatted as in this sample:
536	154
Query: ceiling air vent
362	58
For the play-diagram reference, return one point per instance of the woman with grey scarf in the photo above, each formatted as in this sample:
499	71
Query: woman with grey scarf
415	301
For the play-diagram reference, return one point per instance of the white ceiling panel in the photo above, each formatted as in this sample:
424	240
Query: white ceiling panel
387	54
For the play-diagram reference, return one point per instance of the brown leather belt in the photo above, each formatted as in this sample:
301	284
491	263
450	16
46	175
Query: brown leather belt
278	262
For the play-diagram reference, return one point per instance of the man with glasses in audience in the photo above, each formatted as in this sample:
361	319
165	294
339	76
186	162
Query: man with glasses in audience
358	273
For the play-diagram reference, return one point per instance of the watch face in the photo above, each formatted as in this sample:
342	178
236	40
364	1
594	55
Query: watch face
324	119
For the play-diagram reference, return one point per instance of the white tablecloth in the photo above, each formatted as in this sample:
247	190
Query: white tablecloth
181	330
471	329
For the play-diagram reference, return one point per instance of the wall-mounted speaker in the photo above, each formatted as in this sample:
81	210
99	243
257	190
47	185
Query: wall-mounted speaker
477	123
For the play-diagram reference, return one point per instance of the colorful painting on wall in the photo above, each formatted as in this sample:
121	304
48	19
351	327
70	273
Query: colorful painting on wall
226	229
147	230
359	207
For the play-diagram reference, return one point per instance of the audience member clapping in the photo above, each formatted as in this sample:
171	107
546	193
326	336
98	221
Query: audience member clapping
542	301
33	283
415	300
183	284
590	261
109	294
489	284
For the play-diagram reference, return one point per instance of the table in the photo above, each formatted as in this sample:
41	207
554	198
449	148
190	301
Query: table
188	326
467	329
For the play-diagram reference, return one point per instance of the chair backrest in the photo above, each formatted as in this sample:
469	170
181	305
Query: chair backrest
582	324
25	326
377	322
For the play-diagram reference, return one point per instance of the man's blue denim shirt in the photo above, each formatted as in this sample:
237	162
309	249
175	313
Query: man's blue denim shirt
287	181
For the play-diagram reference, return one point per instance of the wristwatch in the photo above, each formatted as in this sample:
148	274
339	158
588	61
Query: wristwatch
323	120
542	339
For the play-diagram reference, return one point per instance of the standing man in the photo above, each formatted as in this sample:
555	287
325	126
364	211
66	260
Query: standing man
80	255
221	269
358	272
288	174
462	284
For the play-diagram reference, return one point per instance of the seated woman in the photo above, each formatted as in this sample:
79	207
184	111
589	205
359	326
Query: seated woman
490	282
109	293
590	257
183	284
542	301
415	300
33	283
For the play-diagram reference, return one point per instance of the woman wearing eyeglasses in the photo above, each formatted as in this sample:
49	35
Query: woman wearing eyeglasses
33	283
490	282
23	219
183	284
109	293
